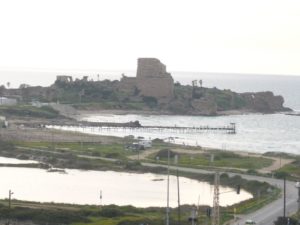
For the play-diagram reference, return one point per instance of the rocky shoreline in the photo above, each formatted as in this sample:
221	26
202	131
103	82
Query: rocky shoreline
93	112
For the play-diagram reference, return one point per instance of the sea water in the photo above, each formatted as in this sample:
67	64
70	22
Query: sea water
255	133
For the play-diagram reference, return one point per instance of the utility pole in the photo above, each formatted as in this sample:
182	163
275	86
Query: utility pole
81	93
10	193
298	187
194	85
193	218
168	188
216	210
284	197
52	137
178	192
100	198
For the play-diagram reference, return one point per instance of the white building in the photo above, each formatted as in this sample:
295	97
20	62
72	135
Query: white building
145	143
7	101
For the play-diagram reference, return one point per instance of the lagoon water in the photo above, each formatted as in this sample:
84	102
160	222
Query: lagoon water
83	187
15	161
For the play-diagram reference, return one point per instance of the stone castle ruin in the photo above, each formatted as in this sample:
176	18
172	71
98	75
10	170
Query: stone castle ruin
152	80
63	78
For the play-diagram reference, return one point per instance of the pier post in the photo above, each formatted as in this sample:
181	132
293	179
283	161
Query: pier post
10	193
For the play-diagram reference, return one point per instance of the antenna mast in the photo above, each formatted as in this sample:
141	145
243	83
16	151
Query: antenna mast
216	210
100	198
168	189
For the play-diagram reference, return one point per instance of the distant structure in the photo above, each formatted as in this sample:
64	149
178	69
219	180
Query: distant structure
69	79
152	80
3	122
64	78
7	101
85	78
23	86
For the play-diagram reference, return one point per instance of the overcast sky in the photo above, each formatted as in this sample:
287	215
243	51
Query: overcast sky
239	36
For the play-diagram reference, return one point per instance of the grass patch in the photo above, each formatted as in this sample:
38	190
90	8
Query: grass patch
291	171
254	204
30	111
115	150
281	155
220	159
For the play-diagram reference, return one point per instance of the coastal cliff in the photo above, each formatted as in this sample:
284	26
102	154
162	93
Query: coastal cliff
213	101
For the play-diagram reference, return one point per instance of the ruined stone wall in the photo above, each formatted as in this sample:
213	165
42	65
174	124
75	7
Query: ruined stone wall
128	85
150	67
153	80
158	87
63	78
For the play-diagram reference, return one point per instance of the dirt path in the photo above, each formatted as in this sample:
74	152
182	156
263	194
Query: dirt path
277	162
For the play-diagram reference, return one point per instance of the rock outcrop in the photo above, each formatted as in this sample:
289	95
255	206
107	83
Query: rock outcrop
204	106
265	102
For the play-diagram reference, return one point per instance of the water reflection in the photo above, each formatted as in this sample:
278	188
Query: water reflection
83	187
15	161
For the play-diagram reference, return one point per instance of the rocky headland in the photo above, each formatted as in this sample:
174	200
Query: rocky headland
153	89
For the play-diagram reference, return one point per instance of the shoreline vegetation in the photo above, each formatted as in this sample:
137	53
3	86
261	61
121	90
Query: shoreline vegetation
31	213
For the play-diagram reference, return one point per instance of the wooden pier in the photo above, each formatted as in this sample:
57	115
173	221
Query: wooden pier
229	129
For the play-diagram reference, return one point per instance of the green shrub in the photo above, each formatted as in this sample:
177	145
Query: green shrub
42	216
110	212
281	174
4	145
150	101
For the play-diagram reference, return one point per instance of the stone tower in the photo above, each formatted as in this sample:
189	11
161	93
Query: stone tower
153	80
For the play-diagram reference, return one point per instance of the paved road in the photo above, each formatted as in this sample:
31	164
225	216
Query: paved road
268	214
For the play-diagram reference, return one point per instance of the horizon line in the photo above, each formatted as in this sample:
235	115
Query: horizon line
56	70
